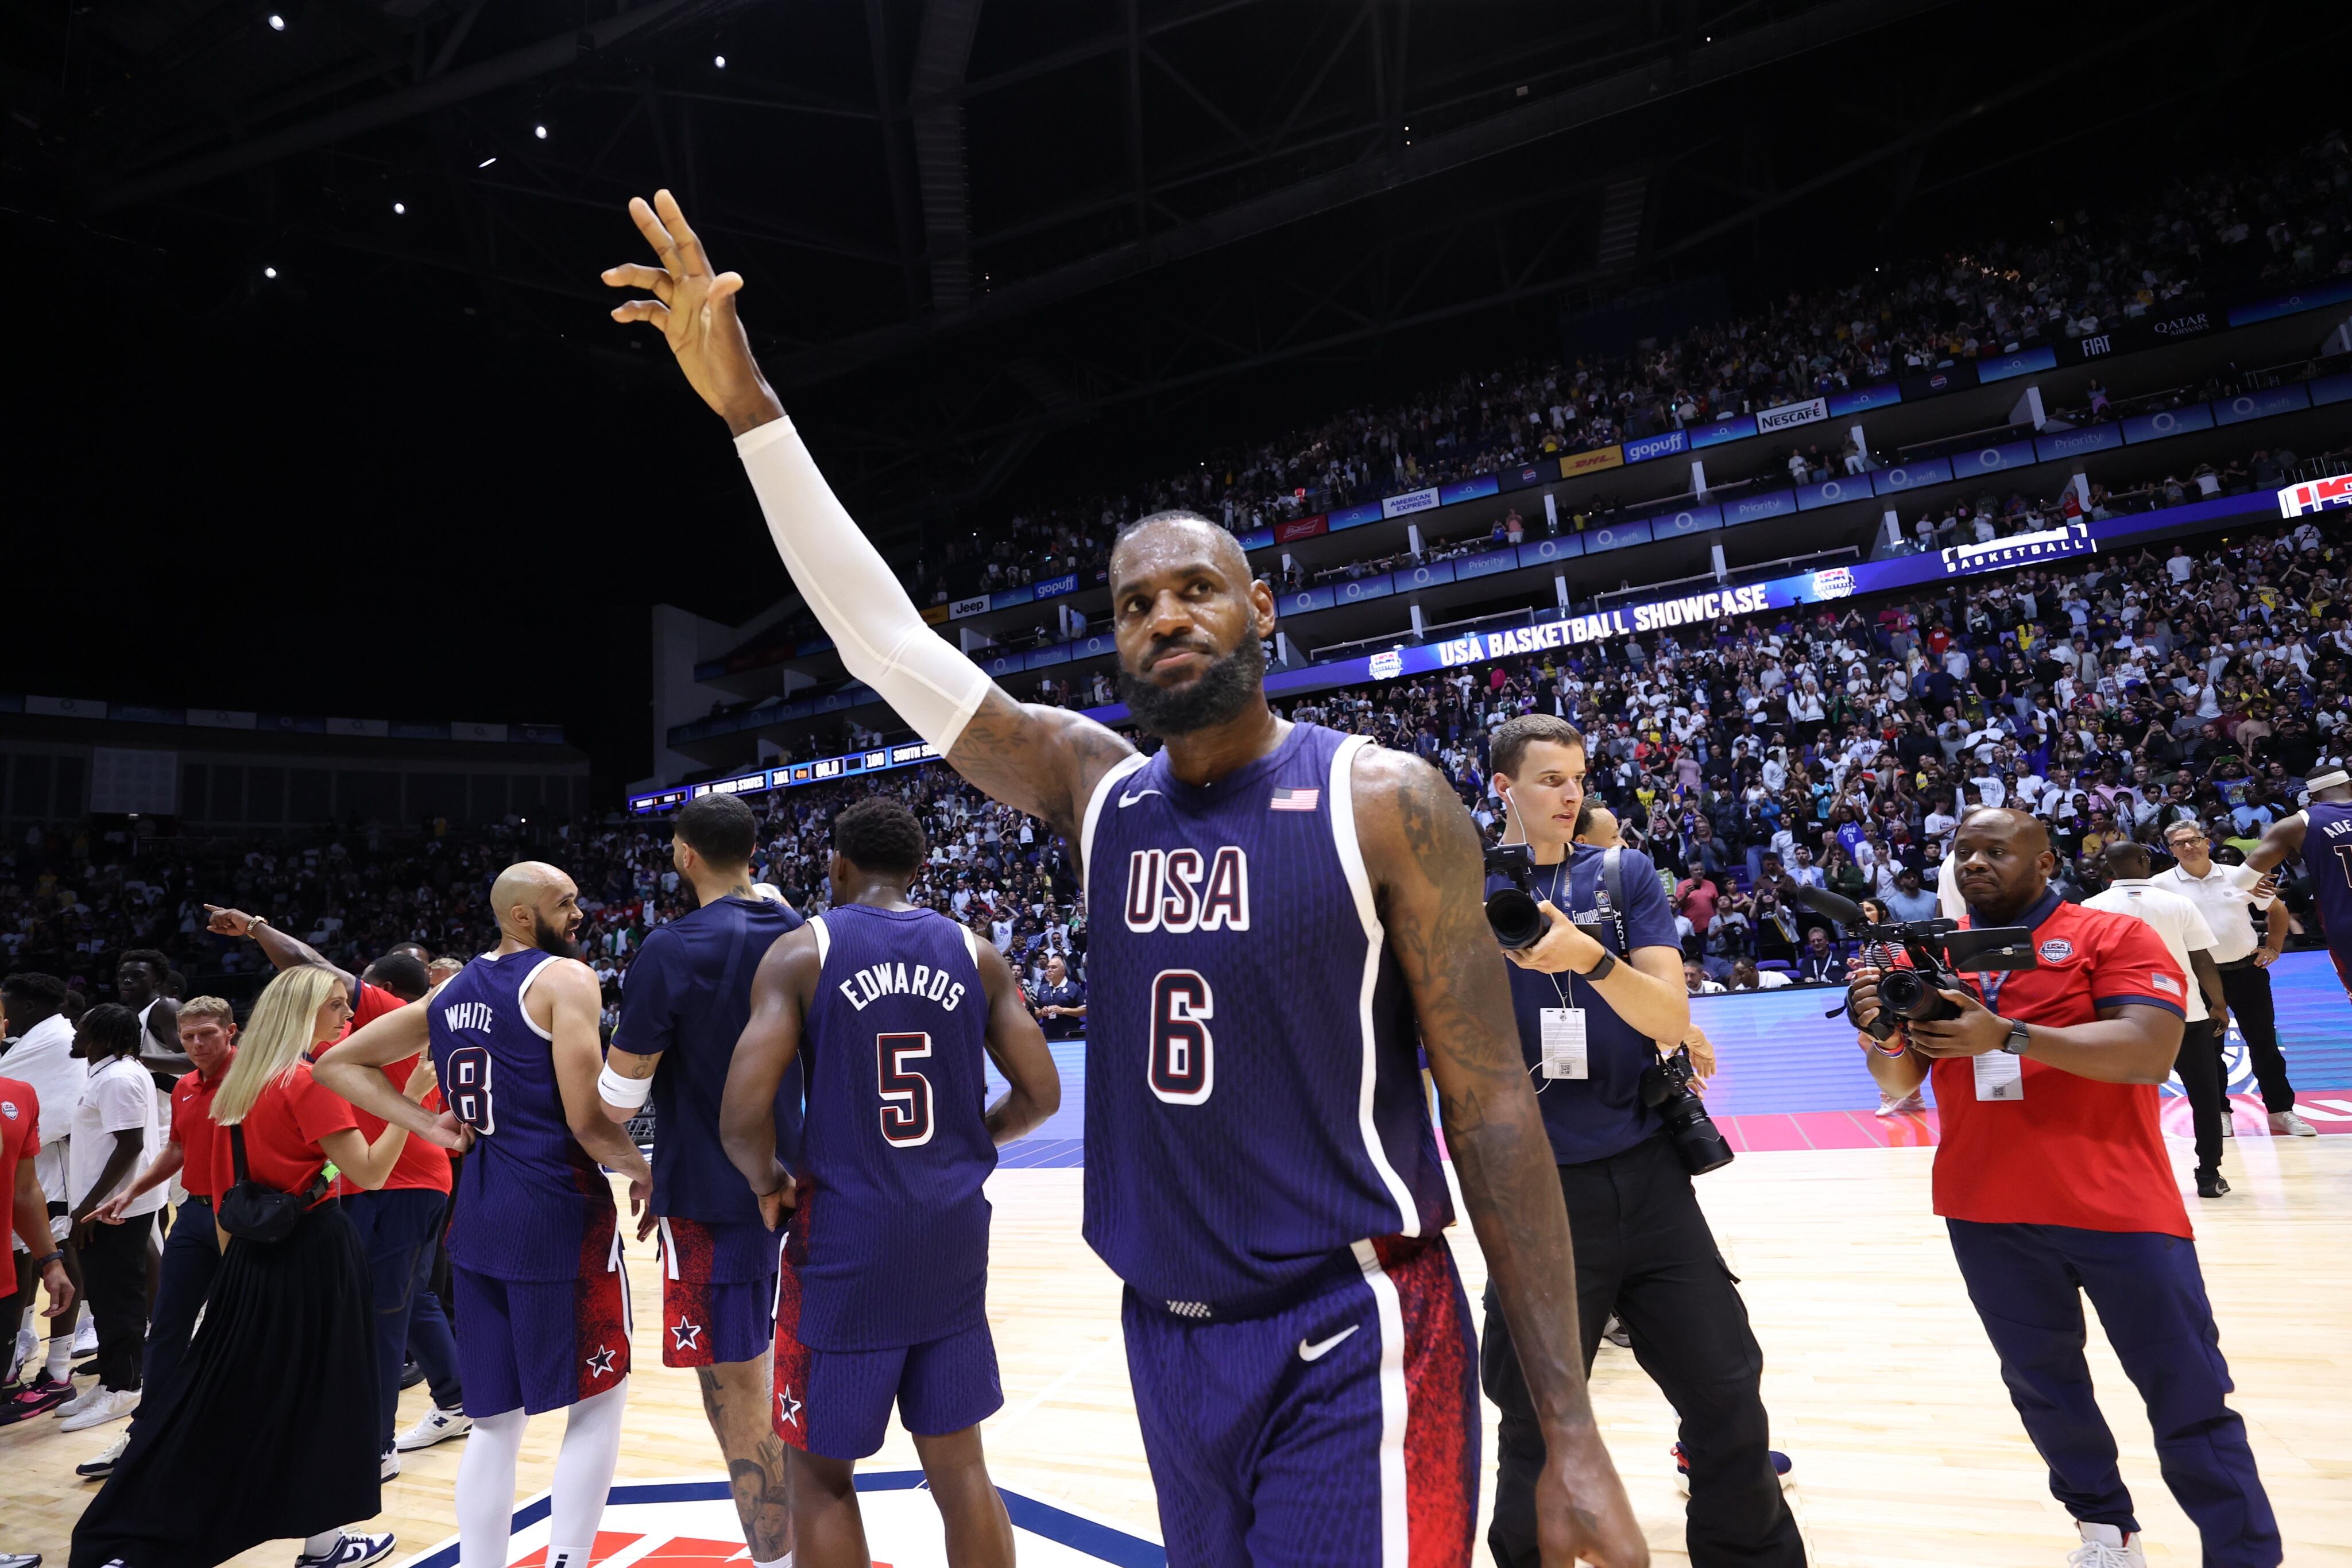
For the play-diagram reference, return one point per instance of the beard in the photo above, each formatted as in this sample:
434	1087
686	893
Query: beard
1224	691
548	939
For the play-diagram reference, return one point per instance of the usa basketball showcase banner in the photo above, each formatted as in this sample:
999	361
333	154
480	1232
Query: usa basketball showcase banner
692	1524
2315	495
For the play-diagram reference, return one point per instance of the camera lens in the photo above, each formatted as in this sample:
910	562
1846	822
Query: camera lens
1517	921
1901	992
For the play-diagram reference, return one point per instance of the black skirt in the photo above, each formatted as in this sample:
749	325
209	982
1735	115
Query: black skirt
268	1428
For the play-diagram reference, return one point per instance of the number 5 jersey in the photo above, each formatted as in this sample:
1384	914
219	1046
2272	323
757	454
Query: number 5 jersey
531	1204
889	1235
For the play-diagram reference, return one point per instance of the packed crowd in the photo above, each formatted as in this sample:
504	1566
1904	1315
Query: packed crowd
2227	228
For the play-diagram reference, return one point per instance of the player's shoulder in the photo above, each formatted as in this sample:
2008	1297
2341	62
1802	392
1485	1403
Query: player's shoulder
567	974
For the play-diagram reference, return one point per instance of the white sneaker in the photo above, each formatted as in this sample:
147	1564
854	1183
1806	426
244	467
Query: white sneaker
1900	1106
99	1407
85	1338
390	1467
350	1551
98	1468
2287	1125
438	1425
20	1355
2105	1546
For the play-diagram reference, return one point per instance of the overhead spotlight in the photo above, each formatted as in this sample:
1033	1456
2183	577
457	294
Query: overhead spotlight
400	209
276	23
719	61
539	132
487	161
268	272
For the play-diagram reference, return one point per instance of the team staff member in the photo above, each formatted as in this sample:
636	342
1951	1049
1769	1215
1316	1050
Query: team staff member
27	1215
113	1134
400	1223
285	1361
44	1057
2224	894
1060	1004
1643	1248
192	1251
2188	942
2053	1179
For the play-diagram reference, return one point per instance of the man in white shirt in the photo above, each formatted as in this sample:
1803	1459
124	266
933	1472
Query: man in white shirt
2224	894
2131	891
43	1057
114	1138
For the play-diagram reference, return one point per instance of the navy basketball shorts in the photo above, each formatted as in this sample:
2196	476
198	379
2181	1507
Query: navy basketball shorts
1339	1432
718	1291
837	1404
540	1343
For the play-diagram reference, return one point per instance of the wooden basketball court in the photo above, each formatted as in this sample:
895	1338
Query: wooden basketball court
1879	1380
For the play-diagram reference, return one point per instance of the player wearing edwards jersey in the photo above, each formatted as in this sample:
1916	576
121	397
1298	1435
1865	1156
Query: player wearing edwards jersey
689	995
1276	913
883	1297
535	1245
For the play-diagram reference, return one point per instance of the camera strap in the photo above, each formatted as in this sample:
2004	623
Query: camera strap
1613	891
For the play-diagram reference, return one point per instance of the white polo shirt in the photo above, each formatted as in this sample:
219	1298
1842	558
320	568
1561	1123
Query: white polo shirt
2223	896
2174	919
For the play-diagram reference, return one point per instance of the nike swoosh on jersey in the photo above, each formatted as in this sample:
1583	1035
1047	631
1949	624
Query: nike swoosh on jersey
1125	799
1317	1351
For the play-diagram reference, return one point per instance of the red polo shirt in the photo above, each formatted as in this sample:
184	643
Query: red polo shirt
284	1131
2072	1151
20	1139
421	1163
193	1130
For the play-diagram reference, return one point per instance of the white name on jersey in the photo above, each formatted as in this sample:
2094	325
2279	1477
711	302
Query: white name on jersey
879	980
1165	890
467	1014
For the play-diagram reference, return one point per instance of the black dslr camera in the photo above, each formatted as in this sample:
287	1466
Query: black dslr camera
1938	951
1516	912
1666	1089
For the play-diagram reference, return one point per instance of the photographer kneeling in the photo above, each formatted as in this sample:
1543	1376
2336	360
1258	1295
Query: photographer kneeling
1590	1012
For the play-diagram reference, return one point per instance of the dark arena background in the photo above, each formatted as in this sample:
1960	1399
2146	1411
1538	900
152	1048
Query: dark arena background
1846	412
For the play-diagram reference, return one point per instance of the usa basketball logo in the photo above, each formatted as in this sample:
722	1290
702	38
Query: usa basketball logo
8	1109
2057	950
693	1524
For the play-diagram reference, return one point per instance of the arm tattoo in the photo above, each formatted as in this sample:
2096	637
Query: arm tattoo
1041	760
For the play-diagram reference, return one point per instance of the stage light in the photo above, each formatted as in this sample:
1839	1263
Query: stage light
719	61
276	23
487	161
268	272
539	132
399	209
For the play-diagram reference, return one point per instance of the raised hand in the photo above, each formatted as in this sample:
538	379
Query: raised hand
694	310
227	921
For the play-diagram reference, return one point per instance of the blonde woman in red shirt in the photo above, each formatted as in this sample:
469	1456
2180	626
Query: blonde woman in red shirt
285	1356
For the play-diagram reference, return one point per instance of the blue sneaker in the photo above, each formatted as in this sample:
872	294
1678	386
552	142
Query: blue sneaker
350	1551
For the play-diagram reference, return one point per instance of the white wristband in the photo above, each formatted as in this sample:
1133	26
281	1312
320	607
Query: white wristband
628	1093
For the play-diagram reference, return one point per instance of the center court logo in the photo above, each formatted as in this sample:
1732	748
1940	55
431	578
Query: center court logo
692	1524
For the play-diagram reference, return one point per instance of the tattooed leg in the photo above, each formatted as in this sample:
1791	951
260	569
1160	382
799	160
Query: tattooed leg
736	1396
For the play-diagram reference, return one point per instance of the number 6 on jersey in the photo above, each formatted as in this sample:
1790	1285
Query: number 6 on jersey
1183	1064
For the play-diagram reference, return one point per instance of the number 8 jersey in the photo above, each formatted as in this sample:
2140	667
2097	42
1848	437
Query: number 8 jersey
1253	1096
889	1231
530	1203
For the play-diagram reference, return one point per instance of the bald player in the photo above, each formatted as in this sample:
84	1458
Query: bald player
535	1245
2321	833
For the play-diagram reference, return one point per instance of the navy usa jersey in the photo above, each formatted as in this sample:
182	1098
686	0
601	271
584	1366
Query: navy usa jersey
1253	1096
2327	857
531	1204
890	1235
687	996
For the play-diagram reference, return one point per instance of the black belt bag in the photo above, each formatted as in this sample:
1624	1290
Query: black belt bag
255	1211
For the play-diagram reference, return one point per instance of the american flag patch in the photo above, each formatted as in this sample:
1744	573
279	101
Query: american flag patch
2166	984
1293	800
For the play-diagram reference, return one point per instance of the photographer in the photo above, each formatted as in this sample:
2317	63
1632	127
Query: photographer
1591	1014
2052	1180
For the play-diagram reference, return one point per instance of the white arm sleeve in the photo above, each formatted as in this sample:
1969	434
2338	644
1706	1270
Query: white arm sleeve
882	637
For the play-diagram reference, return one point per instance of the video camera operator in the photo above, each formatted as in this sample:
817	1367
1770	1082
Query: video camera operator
1592	1010
2052	1180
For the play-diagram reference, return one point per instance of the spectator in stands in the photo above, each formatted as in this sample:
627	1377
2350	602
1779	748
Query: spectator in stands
1823	964
1060	1004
